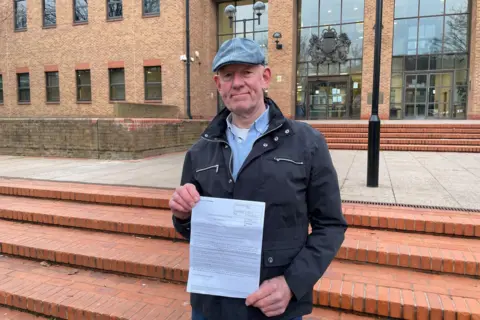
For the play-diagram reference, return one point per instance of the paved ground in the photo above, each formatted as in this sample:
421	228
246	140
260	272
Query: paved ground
424	178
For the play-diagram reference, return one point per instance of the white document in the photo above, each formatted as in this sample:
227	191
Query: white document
225	247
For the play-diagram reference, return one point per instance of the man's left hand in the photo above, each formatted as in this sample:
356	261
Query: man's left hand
272	297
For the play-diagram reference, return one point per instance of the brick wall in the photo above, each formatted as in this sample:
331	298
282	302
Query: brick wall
473	109
96	138
131	42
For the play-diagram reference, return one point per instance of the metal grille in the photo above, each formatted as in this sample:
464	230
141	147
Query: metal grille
411	206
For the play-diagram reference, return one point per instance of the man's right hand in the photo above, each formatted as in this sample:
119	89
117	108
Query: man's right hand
183	200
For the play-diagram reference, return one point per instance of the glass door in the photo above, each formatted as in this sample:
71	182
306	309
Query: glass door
328	99
415	96
439	95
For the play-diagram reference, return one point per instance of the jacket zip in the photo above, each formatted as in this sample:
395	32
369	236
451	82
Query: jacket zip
231	154
207	168
289	160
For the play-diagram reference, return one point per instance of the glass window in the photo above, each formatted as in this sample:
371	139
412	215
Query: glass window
20	7
153	83
330	12
456	31
422	63
23	80
81	10
355	34
49	13
53	88
405	37
308	16
430	35
84	87
117	84
114	9
1	88
352	11
431	7
151	7
456	6
304	42
406	8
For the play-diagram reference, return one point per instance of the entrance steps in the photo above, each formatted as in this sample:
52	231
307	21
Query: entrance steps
440	137
80	251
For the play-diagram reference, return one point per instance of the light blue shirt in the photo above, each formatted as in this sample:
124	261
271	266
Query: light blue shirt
241	140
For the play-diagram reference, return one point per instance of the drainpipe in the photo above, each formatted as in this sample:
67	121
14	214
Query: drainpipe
187	30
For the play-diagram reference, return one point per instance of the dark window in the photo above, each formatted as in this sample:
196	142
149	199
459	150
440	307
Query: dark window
84	87
153	83
80	10
23	87
49	13
53	89
1	89
20	7
114	9
117	84
151	7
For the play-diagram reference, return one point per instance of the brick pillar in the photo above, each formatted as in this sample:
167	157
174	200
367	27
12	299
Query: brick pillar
385	59
282	18
473	105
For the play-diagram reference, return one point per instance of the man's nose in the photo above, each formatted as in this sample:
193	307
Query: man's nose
237	80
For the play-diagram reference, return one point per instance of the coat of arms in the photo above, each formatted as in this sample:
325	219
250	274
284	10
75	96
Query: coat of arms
329	48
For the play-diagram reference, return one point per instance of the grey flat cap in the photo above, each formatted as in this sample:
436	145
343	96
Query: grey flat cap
238	50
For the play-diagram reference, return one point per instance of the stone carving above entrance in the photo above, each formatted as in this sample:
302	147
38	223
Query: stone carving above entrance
329	48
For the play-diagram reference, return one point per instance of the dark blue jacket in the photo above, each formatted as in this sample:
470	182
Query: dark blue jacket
290	169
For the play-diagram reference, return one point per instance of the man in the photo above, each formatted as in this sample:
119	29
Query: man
250	151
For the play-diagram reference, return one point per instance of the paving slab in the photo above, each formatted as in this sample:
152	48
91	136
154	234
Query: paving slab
417	178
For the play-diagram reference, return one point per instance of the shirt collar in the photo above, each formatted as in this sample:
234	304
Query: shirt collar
261	124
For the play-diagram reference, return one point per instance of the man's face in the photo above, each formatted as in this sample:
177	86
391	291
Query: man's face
240	86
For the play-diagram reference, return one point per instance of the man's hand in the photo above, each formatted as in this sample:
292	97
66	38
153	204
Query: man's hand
272	297
183	200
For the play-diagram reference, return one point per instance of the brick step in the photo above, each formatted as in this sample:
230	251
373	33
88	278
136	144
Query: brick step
401	130
95	193
168	260
62	291
150	222
69	293
13	314
406	147
409	141
427	252
415	135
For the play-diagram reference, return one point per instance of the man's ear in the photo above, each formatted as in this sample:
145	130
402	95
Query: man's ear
216	78
267	76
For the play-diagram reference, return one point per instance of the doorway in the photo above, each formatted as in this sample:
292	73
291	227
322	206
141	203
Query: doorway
428	95
329	98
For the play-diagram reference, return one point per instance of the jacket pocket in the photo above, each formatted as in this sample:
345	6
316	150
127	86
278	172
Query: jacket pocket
279	258
278	159
214	167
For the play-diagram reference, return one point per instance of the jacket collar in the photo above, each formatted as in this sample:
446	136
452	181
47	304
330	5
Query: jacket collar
218	126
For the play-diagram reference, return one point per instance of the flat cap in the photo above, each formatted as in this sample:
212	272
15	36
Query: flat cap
238	50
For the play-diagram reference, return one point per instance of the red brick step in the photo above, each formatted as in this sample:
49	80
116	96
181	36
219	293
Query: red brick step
403	147
417	135
409	141
66	292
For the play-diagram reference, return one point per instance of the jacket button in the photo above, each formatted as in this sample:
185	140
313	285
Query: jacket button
276	138
265	145
230	181
206	135
270	259
287	131
226	146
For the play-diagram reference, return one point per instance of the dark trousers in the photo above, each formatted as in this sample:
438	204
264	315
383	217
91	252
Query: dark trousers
199	316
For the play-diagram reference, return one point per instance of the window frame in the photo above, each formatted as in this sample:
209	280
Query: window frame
47	87
75	21
146	84
115	17
110	84
78	86
154	14
23	88
15	16
43	15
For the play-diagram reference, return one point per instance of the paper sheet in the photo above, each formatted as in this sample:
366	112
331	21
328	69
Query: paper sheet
225	247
